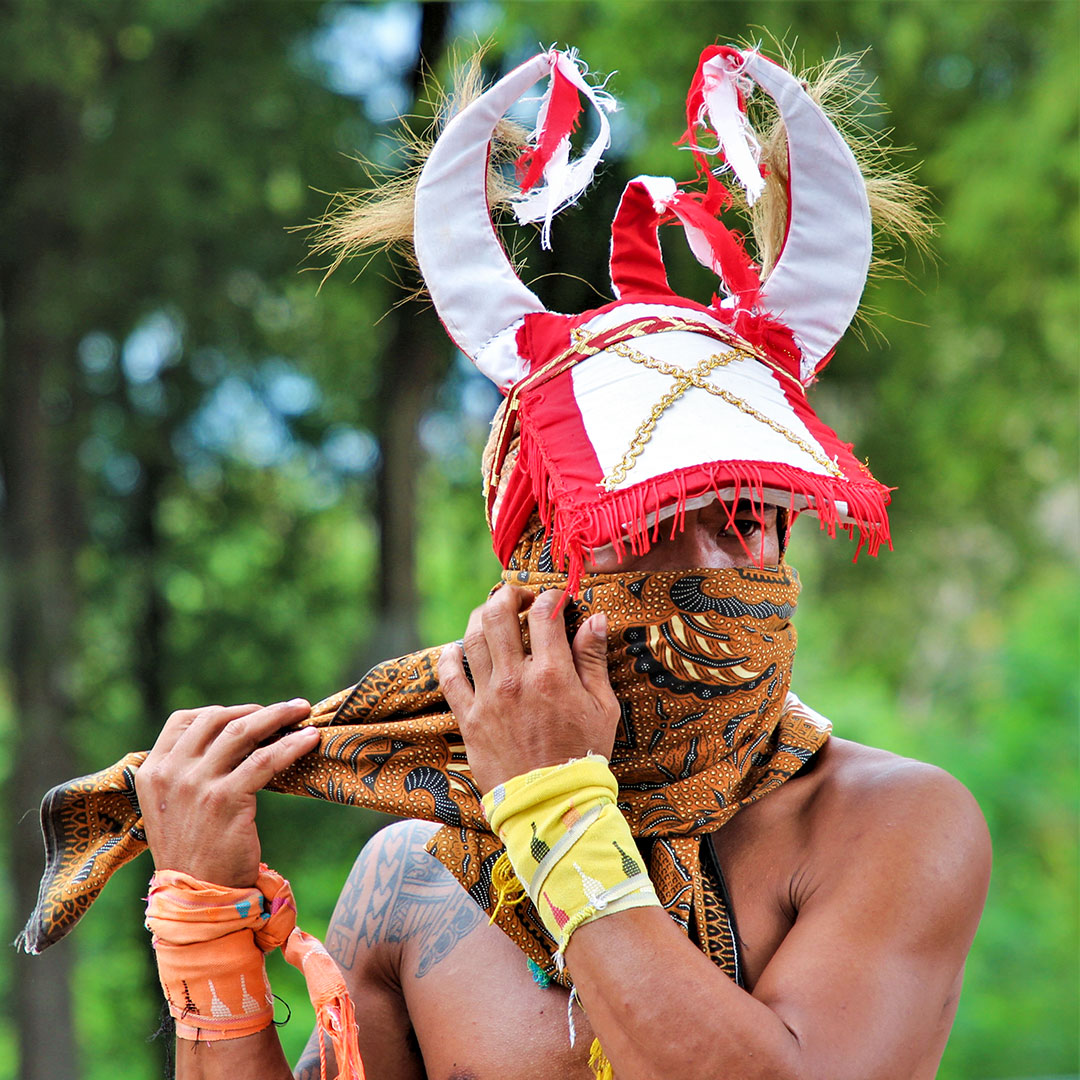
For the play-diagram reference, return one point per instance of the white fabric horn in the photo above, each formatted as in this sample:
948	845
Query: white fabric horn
472	283
818	280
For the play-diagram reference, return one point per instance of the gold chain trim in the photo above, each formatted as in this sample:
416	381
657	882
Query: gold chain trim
685	379
581	348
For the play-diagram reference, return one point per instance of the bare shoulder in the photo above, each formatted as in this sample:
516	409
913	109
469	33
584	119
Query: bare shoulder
400	909
877	790
912	823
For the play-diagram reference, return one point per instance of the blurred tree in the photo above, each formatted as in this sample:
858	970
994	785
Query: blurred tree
145	277
415	362
41	519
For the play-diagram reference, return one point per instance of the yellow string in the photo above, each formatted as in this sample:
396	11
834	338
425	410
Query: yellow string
598	1062
507	885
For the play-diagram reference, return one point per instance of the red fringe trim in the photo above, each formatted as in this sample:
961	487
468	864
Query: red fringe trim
621	518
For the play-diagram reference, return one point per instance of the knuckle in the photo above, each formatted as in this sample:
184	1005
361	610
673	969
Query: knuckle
186	786
239	728
145	778
262	758
497	605
474	639
216	796
150	776
547	677
508	684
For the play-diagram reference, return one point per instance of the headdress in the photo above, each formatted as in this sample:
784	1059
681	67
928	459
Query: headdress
655	403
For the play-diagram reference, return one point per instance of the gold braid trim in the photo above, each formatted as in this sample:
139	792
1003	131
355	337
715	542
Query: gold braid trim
696	377
582	346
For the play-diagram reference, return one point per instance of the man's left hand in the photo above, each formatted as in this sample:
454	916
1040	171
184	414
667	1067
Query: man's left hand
526	711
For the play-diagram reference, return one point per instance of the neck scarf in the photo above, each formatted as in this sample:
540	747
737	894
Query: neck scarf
701	664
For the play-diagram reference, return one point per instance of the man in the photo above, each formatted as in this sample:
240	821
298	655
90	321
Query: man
857	888
653	860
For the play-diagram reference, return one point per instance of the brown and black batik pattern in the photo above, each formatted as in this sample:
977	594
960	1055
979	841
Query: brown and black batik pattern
701	664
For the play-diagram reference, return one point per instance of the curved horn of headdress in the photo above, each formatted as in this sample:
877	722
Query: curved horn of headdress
472	283
815	287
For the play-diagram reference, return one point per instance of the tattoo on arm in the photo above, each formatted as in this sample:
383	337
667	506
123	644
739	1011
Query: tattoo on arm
308	1067
398	894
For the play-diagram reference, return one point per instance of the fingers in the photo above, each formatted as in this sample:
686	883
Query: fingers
476	649
265	762
590	651
502	627
206	724
242	733
493	637
547	630
177	724
453	682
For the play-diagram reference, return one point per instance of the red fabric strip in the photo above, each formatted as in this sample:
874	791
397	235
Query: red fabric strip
563	114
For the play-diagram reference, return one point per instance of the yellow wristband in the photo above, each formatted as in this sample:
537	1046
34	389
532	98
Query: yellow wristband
569	844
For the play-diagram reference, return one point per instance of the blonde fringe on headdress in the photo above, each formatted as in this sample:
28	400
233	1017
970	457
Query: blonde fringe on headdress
380	218
899	207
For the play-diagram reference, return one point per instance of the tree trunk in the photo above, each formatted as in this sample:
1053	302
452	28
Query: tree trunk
415	361
39	536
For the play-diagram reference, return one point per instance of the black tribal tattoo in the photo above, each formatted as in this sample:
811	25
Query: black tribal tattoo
399	894
308	1067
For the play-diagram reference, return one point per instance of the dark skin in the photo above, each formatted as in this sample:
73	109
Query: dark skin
857	888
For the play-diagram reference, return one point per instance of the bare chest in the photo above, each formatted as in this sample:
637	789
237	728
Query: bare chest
477	1014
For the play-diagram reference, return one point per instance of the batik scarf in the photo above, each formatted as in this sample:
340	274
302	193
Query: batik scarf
701	664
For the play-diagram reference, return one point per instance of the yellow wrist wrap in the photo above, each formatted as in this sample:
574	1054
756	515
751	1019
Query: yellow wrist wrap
569	844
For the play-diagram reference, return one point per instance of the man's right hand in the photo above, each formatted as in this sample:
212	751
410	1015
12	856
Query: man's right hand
197	786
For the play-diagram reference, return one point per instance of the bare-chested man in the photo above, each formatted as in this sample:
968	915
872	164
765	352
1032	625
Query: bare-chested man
854	883
856	888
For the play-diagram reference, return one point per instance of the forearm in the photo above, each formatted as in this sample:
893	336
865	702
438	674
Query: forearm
662	1010
233	1059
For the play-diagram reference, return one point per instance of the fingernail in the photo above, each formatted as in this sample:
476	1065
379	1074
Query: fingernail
600	624
299	702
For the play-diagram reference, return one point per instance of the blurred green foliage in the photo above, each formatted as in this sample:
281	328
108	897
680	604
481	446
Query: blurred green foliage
221	410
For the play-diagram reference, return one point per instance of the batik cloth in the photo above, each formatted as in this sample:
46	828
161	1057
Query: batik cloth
701	664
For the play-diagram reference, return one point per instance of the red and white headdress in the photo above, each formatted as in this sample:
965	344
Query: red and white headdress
655	403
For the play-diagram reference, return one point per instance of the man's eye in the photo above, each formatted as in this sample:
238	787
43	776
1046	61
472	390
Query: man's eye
746	527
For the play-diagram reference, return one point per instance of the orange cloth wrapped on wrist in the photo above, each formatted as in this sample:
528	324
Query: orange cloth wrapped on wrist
210	941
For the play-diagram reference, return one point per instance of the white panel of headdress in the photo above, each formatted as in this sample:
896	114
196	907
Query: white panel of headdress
474	287
752	421
817	282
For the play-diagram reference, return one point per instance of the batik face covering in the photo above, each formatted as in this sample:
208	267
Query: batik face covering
700	661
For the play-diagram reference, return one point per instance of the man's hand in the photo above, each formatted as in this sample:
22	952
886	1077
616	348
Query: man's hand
197	786
527	711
